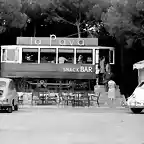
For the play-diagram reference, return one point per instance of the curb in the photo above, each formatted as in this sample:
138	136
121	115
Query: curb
60	107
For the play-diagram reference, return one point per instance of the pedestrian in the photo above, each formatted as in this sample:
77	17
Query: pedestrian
80	59
101	69
62	60
111	91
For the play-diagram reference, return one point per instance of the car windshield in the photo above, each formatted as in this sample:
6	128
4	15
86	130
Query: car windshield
141	85
2	83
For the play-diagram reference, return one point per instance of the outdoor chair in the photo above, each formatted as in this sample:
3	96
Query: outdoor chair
42	98
52	98
94	98
80	99
64	97
85	99
21	100
75	100
35	98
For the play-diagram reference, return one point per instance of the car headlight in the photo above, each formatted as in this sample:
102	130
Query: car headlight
131	100
133	96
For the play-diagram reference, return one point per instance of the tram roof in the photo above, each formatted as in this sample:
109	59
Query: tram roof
65	47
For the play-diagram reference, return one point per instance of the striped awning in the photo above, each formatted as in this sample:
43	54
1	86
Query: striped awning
139	65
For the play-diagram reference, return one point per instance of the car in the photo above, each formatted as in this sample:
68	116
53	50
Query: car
8	95
136	101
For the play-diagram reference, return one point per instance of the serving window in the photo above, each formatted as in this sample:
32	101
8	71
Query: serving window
84	56
48	55
65	55
30	55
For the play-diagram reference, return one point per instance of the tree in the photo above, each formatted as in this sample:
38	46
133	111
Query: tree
11	15
124	21
35	10
79	13
125	18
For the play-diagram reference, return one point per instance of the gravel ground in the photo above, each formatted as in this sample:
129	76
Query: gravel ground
53	125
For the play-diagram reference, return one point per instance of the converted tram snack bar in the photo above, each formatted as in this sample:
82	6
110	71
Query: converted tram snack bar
62	63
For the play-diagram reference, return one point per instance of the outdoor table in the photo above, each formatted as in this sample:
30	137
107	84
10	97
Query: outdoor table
42	97
77	99
53	97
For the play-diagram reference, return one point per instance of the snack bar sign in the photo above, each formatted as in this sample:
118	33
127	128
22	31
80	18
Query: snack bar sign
83	69
57	41
60	41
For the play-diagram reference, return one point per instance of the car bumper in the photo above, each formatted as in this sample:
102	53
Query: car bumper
135	103
136	107
4	104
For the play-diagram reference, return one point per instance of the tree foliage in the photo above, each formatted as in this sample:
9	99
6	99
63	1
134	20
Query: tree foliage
11	15
35	10
124	19
78	13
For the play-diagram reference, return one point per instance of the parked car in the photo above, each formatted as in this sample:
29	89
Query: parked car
8	95
136	101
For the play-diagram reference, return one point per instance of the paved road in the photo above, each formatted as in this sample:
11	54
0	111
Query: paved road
48	125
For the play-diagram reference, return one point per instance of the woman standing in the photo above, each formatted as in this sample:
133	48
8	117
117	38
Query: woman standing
111	90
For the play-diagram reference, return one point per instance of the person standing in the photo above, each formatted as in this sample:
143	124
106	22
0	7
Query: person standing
111	91
62	60
108	75
101	69
80	59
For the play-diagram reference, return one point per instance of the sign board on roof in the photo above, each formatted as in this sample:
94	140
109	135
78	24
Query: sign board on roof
54	41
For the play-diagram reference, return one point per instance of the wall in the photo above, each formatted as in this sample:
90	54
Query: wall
48	70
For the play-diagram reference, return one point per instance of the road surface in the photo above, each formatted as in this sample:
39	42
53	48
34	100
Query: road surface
51	125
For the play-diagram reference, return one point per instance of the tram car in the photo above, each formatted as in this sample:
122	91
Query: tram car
53	63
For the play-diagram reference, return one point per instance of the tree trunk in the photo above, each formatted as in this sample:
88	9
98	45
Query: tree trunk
34	30
78	30
21	32
122	59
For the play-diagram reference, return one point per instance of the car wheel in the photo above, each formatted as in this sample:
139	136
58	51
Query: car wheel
10	109
16	107
136	110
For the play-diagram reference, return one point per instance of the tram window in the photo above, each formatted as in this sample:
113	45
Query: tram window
30	55
8	55
48	55
84	56
66	55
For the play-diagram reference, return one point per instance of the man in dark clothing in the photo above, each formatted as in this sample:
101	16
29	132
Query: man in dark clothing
101	69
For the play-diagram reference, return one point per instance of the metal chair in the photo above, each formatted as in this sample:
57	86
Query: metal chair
95	98
64	97
85	99
35	98
21	100
52	97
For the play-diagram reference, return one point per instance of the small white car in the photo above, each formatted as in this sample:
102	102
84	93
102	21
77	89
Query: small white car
136	101
8	95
